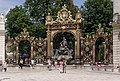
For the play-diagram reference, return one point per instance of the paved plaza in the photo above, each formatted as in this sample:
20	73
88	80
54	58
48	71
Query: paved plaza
42	74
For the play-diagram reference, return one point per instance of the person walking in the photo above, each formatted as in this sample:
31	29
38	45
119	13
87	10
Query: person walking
21	64
49	64
27	60
61	66
56	64
4	66
32	63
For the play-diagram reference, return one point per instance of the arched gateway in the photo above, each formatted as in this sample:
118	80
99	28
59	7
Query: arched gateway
63	23
88	49
23	36
36	46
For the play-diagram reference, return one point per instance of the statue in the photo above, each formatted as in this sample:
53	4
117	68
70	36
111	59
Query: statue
63	44
63	50
1	18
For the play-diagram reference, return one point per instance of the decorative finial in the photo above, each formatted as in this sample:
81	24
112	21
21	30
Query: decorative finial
24	30
78	16
48	18
99	25
64	7
48	13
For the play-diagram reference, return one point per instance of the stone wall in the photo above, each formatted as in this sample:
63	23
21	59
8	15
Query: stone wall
116	32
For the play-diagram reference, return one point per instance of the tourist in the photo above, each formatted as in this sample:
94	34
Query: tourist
49	64
61	66
32	63
4	66
27	60
21	63
56	64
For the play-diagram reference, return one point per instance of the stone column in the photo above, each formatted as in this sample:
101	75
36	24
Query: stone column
78	44
116	45
2	38
48	44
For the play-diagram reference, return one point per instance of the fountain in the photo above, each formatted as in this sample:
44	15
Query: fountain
63	52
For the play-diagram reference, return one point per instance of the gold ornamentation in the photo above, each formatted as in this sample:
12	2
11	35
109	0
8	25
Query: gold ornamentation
78	17
100	29
48	19
63	27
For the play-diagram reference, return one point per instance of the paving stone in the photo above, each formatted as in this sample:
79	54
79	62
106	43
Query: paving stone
28	74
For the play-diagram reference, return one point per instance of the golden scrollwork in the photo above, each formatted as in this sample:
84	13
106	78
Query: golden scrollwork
64	18
36	44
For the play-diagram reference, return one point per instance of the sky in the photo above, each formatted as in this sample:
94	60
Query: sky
5	5
78	2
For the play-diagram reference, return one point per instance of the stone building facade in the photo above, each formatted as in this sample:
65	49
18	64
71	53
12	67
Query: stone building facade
2	38
116	32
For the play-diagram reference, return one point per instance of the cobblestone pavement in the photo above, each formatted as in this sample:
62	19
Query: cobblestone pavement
38	74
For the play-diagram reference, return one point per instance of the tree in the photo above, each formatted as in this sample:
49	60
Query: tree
16	21
95	12
38	9
32	16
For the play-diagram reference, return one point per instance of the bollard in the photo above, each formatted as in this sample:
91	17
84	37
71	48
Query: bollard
98	69
84	66
75	66
92	67
112	70
96	65
105	69
81	66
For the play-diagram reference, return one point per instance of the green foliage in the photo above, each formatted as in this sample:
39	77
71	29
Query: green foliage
38	9
100	49
16	21
32	16
24	47
95	12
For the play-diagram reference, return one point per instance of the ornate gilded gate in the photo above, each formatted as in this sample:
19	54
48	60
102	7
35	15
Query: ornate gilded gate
85	47
38	46
63	23
88	47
